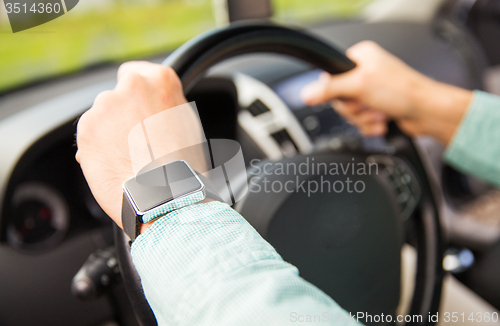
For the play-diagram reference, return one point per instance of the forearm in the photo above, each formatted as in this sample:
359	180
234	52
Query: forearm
205	265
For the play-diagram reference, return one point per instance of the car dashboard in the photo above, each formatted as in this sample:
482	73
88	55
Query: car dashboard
50	223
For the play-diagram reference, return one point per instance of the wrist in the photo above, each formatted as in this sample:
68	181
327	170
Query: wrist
146	226
439	108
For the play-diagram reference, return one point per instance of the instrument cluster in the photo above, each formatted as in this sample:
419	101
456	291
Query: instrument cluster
48	200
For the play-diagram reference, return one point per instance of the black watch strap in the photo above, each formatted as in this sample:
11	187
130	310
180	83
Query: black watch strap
130	220
132	223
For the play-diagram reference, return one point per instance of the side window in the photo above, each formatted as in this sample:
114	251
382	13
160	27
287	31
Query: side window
96	32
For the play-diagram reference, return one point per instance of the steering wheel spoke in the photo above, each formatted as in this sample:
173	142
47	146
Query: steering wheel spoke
268	120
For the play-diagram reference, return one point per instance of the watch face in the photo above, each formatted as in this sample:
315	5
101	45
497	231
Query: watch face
162	184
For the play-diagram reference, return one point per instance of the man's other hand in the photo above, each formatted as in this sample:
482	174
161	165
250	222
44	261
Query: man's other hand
382	87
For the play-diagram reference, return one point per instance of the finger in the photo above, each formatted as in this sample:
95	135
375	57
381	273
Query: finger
368	117
325	89
348	108
143	68
366	120
366	52
151	75
147	70
374	129
360	51
348	84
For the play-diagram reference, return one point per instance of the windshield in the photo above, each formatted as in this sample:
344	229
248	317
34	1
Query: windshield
100	31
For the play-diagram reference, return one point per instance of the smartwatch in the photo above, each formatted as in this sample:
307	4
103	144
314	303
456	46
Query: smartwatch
159	191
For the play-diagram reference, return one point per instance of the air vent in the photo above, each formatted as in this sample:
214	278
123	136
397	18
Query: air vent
257	108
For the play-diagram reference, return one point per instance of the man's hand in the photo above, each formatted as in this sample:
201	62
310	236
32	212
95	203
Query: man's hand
382	87
143	90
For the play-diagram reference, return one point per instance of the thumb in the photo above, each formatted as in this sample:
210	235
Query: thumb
329	87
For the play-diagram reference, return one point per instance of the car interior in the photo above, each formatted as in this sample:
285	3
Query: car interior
423	239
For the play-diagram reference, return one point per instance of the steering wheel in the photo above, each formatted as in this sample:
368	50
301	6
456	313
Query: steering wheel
280	223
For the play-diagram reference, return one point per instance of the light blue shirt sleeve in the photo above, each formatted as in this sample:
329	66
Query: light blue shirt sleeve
475	147
206	265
